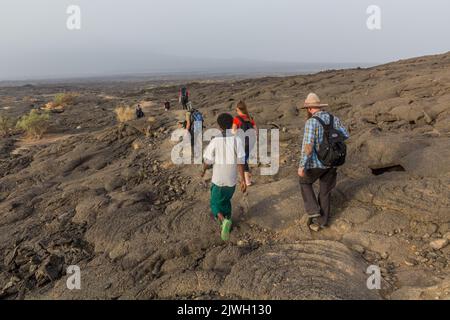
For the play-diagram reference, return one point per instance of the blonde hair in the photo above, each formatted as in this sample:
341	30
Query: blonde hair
243	108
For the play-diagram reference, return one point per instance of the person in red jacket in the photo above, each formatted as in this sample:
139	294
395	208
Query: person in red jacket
244	121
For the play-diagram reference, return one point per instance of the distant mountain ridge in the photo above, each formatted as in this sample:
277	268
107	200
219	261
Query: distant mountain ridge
66	65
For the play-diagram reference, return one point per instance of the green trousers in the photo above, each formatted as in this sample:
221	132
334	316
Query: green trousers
221	200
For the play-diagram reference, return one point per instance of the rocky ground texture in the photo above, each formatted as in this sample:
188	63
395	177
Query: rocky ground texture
106	197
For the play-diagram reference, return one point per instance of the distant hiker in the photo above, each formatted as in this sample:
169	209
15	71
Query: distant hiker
194	126
323	150
244	122
225	154
139	112
167	105
183	97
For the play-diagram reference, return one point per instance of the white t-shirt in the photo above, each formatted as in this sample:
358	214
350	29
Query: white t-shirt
225	154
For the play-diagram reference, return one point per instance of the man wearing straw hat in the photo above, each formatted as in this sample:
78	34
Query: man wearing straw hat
311	168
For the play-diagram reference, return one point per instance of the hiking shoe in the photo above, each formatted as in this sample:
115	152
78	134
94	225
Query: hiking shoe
321	222
226	228
314	227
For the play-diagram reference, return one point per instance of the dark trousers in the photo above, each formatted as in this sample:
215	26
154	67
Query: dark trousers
314	206
184	102
247	157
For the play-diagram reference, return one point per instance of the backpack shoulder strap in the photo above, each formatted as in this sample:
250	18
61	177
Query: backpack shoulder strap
324	125
241	119
245	121
331	121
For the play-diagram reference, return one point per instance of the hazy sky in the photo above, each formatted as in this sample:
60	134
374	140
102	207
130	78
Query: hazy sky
145	35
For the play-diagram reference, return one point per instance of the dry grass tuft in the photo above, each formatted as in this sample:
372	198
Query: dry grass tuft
63	99
124	114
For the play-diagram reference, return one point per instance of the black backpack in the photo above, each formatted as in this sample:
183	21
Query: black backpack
245	125
184	92
332	151
139	113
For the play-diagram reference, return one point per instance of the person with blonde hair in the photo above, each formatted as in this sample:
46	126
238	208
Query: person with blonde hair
245	122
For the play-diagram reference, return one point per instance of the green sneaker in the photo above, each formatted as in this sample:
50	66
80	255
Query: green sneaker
226	228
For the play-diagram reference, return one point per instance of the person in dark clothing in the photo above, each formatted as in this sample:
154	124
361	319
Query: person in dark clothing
167	105
139	112
183	97
194	125
312	169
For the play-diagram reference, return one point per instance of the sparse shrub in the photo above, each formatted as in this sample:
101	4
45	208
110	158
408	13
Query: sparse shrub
6	125
52	107
124	113
35	124
62	99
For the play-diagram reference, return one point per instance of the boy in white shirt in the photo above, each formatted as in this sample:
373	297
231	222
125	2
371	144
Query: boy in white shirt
226	154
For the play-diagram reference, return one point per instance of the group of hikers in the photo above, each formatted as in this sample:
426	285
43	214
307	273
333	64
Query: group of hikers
323	150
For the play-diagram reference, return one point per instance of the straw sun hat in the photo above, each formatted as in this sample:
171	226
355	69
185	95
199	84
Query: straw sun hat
313	101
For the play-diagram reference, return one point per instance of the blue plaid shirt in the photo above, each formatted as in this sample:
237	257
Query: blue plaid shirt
313	137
